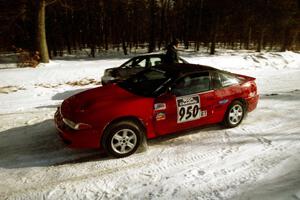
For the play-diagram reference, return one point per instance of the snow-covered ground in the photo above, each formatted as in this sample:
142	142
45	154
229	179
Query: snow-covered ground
260	159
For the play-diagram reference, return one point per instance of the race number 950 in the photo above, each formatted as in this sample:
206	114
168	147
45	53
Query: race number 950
188	108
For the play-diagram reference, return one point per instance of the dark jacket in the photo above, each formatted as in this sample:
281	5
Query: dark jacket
171	55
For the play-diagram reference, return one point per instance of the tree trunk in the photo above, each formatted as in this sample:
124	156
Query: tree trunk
294	41
151	47
199	29
214	35
162	26
261	40
124	47
213	45
285	42
186	44
41	33
249	38
93	51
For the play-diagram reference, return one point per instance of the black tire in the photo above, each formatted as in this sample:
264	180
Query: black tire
122	138
234	115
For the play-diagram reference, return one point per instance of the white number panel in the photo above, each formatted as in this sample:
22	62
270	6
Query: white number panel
188	108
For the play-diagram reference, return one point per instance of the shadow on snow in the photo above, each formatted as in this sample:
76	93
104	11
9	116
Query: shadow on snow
39	145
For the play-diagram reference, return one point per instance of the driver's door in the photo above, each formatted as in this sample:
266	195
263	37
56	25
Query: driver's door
187	105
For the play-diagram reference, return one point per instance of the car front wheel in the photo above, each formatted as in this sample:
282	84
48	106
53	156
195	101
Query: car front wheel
234	114
122	139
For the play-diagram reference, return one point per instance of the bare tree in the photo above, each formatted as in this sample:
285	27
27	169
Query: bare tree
41	41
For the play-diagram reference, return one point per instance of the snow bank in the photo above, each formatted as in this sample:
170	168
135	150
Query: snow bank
250	61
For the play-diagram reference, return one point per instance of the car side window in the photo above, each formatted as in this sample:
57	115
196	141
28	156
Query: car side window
228	79
136	62
224	80
129	64
155	61
216	81
192	84
140	63
220	79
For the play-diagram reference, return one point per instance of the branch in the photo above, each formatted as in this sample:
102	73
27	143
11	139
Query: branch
51	2
13	21
64	4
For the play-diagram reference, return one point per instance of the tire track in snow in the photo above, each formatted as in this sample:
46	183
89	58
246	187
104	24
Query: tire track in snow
242	176
264	166
175	163
177	167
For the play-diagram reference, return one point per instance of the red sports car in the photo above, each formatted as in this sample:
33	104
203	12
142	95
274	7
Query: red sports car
152	103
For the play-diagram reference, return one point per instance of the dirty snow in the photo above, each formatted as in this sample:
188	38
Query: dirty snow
260	159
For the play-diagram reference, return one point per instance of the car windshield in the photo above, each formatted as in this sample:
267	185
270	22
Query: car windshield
149	83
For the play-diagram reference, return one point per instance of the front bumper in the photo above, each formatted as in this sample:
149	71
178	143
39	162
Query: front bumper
88	138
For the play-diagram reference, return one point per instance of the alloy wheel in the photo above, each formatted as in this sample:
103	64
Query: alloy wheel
124	141
235	114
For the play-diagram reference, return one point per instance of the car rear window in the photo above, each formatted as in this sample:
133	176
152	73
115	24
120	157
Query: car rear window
223	79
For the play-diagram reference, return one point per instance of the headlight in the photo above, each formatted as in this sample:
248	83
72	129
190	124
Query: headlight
76	126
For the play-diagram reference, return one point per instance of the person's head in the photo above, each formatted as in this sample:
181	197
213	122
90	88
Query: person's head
175	42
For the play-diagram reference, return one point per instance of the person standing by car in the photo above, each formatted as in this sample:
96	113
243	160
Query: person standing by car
171	54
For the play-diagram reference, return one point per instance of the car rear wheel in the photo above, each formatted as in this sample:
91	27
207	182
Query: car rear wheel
122	139
234	114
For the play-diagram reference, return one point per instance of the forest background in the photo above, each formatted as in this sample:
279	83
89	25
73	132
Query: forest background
55	27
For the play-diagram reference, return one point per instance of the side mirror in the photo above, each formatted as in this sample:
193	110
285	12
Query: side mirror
169	90
174	92
167	93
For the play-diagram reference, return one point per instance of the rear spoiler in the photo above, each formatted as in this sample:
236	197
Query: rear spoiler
244	77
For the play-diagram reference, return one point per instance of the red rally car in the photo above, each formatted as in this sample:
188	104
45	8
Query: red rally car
152	103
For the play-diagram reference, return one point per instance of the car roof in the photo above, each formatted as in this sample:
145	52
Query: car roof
185	68
149	55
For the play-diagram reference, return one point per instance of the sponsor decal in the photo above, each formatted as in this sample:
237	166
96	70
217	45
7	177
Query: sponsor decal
223	101
160	106
203	113
160	116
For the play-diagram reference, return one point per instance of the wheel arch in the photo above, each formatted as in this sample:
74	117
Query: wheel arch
133	119
242	100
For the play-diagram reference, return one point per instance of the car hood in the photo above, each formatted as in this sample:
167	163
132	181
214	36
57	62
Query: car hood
94	98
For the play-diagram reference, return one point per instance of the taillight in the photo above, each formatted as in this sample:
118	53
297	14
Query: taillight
250	88
253	90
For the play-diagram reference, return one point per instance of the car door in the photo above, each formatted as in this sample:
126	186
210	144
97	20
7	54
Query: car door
188	104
